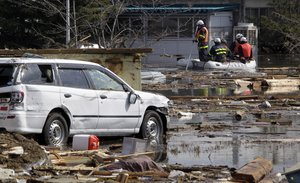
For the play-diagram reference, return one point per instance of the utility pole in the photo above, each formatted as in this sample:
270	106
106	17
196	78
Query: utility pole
75	25
242	11
68	23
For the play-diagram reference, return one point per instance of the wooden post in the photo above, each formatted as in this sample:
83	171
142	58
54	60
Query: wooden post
123	177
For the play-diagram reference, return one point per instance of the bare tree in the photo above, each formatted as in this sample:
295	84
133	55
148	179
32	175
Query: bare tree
285	21
55	10
103	22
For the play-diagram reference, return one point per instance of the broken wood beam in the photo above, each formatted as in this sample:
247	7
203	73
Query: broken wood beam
280	121
122	178
280	82
69	168
239	115
151	153
149	174
254	171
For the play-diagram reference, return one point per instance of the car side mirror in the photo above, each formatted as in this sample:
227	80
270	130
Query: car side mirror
132	98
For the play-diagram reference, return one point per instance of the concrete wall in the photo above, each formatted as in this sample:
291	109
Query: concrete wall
126	63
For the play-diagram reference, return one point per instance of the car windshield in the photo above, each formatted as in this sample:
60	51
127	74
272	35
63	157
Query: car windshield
6	74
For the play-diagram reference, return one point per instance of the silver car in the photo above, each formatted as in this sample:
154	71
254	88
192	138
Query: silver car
58	98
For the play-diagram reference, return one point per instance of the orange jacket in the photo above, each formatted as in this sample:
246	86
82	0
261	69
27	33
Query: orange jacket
202	36
236	48
245	50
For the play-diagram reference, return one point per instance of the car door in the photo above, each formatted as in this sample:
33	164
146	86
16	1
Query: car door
79	99
116	115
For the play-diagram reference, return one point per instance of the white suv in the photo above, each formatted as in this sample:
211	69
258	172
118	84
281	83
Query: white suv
58	98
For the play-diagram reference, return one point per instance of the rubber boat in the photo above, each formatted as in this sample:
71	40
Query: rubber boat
190	63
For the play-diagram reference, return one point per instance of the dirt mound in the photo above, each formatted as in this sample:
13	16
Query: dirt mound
33	153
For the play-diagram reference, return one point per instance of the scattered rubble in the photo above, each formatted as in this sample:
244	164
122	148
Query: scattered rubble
23	159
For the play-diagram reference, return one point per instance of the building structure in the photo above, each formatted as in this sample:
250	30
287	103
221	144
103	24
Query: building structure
169	25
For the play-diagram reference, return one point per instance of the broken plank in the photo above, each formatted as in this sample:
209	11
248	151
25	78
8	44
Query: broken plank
281	121
280	82
74	168
149	174
254	171
72	160
130	155
83	153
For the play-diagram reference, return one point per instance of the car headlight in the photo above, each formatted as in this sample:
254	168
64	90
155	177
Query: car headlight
163	110
170	102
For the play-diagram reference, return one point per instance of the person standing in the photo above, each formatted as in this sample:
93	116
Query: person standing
201	36
219	51
245	50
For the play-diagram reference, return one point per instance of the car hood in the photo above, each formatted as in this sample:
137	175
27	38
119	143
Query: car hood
153	98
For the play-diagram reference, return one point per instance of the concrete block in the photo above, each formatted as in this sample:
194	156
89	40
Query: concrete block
133	145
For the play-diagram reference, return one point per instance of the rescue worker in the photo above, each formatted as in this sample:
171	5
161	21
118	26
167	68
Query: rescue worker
219	51
224	42
229	54
235	44
245	50
201	36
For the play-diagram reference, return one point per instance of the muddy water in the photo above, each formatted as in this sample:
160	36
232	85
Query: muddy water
278	60
234	147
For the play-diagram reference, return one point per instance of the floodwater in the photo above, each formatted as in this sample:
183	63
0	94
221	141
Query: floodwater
222	91
235	147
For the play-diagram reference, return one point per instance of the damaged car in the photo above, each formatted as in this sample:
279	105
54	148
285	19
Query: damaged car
58	98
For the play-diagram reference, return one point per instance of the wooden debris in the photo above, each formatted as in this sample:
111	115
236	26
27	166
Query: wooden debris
280	82
129	155
254	171
281	121
239	115
74	168
122	178
72	160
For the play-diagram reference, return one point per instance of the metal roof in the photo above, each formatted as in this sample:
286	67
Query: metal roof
181	8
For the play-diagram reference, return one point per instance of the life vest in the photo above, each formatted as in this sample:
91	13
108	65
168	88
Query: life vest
236	48
246	48
202	37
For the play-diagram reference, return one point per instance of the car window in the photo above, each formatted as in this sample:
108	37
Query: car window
37	74
6	74
73	78
102	81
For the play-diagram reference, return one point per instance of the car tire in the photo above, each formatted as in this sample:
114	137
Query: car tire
152	127
55	131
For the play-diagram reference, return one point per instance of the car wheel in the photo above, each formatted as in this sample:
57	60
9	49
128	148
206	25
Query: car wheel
152	126
55	131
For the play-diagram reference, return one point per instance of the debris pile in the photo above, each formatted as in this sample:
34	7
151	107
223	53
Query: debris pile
24	160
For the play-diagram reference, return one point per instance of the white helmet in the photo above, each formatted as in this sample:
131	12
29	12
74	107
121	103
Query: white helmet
217	40
200	22
243	40
239	36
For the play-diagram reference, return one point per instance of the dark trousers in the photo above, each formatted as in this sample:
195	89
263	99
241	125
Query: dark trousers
203	54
